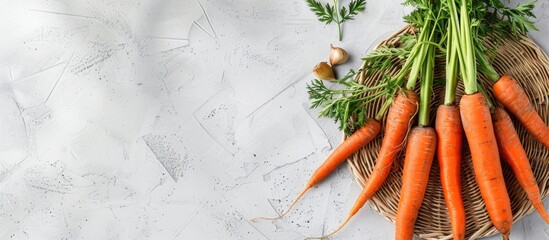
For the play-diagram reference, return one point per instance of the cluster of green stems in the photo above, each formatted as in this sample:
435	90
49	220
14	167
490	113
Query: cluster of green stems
445	27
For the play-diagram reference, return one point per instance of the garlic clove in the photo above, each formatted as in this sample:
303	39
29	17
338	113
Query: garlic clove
338	55
324	71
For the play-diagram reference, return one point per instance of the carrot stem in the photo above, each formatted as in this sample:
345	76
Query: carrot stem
469	82
455	36
412	59
416	67
425	42
486	68
451	70
488	99
383	109
426	85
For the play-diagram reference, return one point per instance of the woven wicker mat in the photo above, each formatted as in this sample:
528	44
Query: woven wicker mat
529	65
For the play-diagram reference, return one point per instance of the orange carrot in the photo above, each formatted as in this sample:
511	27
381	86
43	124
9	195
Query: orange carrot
352	144
420	152
358	139
513	97
449	132
398	122
477	123
450	135
397	125
511	150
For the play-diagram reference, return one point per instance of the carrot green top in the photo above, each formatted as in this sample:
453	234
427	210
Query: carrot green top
427	75
451	69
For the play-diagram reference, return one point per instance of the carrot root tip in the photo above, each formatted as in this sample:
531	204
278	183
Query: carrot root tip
505	236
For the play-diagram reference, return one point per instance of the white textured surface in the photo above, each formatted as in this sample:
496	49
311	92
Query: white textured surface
172	120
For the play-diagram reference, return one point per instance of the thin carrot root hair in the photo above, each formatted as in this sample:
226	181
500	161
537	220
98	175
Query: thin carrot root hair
287	210
335	231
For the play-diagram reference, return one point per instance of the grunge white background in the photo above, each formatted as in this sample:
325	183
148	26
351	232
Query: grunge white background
178	119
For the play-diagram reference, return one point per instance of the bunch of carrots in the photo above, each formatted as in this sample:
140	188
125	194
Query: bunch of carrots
455	30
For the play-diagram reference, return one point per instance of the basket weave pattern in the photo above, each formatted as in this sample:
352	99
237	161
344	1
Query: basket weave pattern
529	65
